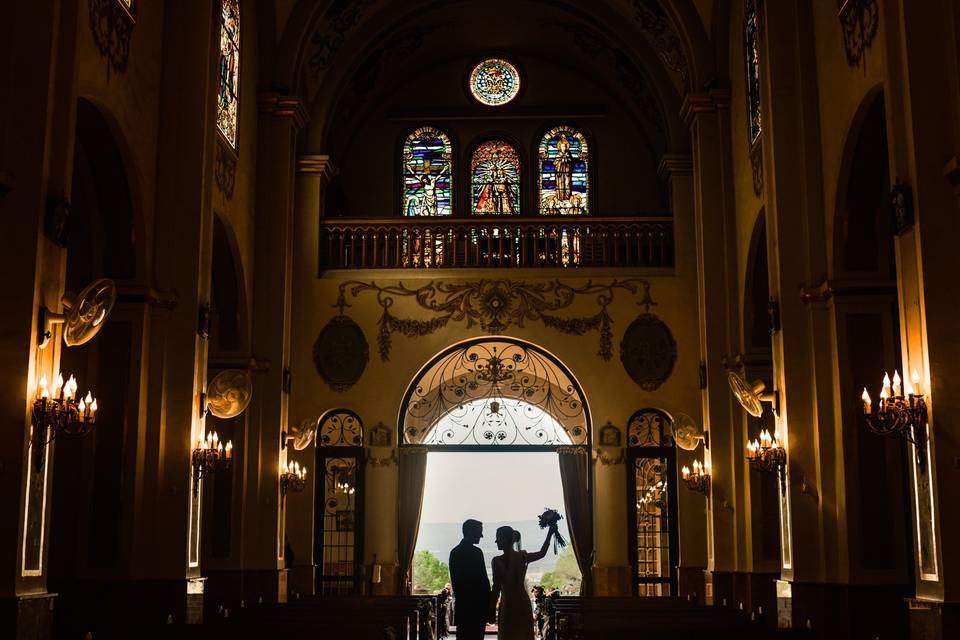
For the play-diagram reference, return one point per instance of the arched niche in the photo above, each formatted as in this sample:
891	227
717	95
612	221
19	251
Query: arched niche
866	316
494	392
91	496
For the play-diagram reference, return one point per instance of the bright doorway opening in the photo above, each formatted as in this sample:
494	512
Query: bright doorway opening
508	488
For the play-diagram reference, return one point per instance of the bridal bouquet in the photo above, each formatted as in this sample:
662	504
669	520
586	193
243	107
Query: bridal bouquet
551	519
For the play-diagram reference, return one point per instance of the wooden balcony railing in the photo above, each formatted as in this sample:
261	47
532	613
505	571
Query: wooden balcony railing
540	242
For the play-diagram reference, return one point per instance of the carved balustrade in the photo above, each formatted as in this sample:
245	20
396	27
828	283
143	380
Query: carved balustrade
530	242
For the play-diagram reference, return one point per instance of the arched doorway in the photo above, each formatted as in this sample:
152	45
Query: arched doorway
496	395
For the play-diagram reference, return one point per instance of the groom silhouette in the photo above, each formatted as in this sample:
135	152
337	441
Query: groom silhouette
471	587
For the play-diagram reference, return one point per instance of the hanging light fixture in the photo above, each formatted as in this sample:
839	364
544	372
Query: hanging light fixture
58	412
902	411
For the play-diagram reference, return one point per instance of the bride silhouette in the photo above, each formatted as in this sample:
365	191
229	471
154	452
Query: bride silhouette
515	620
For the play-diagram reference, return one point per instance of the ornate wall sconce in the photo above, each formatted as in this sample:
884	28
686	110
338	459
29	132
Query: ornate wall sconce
698	479
293	478
210	455
58	412
902	412
767	455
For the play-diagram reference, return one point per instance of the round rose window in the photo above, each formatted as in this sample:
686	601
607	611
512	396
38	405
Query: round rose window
494	82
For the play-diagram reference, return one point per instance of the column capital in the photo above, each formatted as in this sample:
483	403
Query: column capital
282	106
671	164
318	164
695	104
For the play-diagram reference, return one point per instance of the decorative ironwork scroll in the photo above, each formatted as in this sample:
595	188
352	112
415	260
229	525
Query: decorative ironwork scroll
649	428
112	26
340	353
495	392
860	20
340	428
495	304
648	351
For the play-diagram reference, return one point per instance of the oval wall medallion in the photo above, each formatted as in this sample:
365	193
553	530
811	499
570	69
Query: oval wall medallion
648	351
340	353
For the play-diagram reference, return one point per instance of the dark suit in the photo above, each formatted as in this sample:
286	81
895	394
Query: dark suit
471	590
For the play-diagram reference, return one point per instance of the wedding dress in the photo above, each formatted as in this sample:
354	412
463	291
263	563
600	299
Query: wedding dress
515	621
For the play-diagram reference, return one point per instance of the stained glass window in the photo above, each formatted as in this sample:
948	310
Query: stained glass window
228	94
752	54
495	179
494	82
564	180
427	160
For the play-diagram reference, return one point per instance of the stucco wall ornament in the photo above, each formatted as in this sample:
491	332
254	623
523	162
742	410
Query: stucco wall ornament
225	170
860	20
495	304
609	450
659	32
340	353
344	15
628	74
112	26
756	165
380	438
648	351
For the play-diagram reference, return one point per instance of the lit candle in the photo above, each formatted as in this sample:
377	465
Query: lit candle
776	439
685	472
57	387
229	449
866	401
915	377
907	388
216	438
896	383
93	408
42	391
210	437
70	388
884	394
89	401
83	408
886	383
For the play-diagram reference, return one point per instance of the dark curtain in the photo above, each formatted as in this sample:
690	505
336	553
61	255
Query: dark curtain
575	476
412	472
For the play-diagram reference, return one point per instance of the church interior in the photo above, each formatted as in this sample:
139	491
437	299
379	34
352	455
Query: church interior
279	254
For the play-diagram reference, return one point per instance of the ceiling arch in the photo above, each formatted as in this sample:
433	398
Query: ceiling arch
328	46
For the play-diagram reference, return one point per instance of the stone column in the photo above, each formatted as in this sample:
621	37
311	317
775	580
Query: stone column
313	174
38	119
262	537
165	566
922	116
714	220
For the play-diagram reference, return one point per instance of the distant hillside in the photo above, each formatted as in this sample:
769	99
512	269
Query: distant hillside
439	538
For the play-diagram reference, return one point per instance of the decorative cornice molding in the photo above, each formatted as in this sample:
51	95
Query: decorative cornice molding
695	104
282	106
672	164
316	164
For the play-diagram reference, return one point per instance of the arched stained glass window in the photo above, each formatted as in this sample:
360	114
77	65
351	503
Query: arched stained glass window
495	179
751	44
427	173
564	177
228	100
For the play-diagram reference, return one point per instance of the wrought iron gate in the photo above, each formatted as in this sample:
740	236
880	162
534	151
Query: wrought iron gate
652	504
